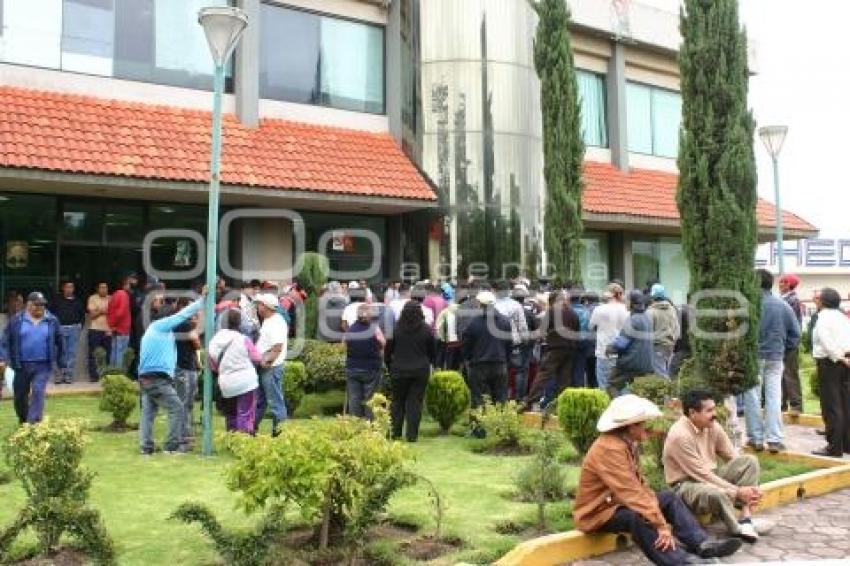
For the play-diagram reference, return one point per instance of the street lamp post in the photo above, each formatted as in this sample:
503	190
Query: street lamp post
773	137
223	27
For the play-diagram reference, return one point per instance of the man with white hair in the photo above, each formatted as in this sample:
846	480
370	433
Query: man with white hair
272	347
613	496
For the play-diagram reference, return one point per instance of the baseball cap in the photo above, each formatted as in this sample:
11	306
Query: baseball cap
267	299
36	298
486	298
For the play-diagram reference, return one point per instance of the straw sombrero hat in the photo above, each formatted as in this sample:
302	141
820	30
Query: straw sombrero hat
626	410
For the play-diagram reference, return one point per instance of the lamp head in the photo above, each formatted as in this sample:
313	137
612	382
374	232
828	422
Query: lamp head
773	137
223	27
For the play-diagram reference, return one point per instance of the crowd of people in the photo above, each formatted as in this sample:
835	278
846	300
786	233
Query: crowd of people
517	339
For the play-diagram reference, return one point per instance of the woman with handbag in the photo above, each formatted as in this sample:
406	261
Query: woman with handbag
234	356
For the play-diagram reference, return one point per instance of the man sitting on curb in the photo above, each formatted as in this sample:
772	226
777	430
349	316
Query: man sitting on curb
613	495
690	467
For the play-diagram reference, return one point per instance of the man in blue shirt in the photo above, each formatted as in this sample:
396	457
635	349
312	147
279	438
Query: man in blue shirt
779	332
32	346
157	363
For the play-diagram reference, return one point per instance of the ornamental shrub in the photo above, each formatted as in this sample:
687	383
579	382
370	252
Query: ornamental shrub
542	479
579	410
653	387
338	473
294	382
446	398
236	548
500	426
46	459
325	364
120	395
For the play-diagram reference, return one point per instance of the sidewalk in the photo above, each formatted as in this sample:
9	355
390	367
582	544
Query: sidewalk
814	529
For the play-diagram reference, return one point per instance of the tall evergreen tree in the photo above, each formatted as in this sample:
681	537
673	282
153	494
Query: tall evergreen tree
717	192
563	146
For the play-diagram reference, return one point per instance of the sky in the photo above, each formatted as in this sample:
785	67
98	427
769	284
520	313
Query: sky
802	82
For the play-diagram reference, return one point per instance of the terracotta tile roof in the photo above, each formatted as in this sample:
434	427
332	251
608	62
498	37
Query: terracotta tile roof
652	194
83	134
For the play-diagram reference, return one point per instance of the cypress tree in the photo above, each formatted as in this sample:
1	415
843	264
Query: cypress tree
563	146
717	193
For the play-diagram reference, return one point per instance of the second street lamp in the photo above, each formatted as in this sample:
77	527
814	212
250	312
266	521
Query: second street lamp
773	137
223	28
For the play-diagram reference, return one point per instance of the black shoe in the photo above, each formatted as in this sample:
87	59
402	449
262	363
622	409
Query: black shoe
827	453
694	559
756	447
775	447
719	548
820	431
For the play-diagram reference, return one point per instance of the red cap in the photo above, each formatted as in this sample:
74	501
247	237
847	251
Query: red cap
791	280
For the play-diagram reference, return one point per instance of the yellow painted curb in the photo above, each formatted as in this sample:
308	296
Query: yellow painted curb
833	474
803	419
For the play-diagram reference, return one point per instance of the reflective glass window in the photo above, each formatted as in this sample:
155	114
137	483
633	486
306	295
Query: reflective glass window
654	116
594	261
123	224
156	41
662	260
88	33
28	239
82	222
666	117
315	59
639	113
31	32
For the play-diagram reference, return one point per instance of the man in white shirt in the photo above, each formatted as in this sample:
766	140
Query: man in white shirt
272	346
830	348
608	320
403	296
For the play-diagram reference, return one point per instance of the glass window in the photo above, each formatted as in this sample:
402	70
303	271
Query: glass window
594	262
160	41
315	59
639	117
666	117
82	223
591	90
88	31
344	252
123	224
31	32
289	74
156	41
654	116
28	240
662	260
352	66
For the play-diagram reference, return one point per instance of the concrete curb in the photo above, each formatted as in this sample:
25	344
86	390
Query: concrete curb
833	474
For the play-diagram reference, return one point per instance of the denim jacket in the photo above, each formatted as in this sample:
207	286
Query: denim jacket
779	330
10	343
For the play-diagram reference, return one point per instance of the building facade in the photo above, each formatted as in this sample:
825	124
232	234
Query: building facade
403	130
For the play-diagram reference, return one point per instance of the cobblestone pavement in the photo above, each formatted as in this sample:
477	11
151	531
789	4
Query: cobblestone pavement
815	529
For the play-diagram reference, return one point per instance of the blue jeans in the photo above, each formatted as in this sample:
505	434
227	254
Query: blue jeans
119	346
158	391
360	387
271	395
604	365
661	360
521	372
769	429
30	385
186	383
70	335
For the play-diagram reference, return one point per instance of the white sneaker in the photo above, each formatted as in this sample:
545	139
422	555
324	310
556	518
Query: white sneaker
762	526
747	531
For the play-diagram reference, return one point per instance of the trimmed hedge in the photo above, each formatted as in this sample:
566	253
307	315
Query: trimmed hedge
579	410
447	398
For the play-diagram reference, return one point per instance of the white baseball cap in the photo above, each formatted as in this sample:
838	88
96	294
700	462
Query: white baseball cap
267	299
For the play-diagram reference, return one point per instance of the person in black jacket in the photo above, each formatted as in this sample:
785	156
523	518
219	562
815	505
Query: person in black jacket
409	354
487	343
560	329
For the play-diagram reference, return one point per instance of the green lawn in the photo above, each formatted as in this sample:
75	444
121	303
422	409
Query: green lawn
136	494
